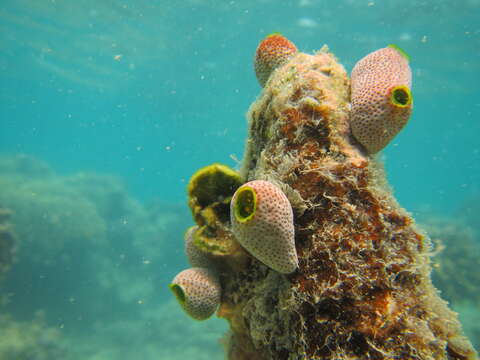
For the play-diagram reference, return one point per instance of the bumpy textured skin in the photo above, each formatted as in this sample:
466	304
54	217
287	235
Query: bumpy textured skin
274	51
202	292
196	257
363	287
375	120
269	234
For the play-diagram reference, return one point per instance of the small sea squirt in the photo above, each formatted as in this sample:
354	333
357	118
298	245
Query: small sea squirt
381	98
262	222
196	257
198	292
272	52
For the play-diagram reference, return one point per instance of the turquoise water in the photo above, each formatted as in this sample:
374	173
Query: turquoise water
108	107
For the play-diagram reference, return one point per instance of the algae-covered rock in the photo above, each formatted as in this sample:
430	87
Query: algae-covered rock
363	288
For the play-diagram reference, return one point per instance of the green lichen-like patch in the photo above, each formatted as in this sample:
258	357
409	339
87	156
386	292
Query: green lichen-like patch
275	33
400	51
245	204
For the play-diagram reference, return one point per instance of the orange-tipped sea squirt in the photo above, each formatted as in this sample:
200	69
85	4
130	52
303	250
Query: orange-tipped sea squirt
272	52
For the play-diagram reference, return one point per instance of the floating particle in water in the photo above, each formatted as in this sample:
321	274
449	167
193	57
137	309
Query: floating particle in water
303	3
307	22
405	37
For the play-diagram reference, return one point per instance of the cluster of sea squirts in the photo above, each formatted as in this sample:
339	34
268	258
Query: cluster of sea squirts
261	219
257	216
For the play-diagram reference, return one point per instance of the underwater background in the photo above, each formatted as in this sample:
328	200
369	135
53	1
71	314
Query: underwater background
107	109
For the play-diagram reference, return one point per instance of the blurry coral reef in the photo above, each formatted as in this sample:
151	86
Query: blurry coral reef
30	340
79	224
159	331
458	248
7	242
455	264
470	211
89	257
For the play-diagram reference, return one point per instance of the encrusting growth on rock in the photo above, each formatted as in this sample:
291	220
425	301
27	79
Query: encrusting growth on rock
362	289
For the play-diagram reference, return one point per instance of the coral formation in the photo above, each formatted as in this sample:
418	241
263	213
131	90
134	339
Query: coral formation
82	237
381	97
7	242
262	221
30	340
198	292
48	209
69	275
457	253
363	287
274	51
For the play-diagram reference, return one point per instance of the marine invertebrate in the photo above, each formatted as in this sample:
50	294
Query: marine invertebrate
262	221
274	51
381	97
195	255
210	190
362	289
197	291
